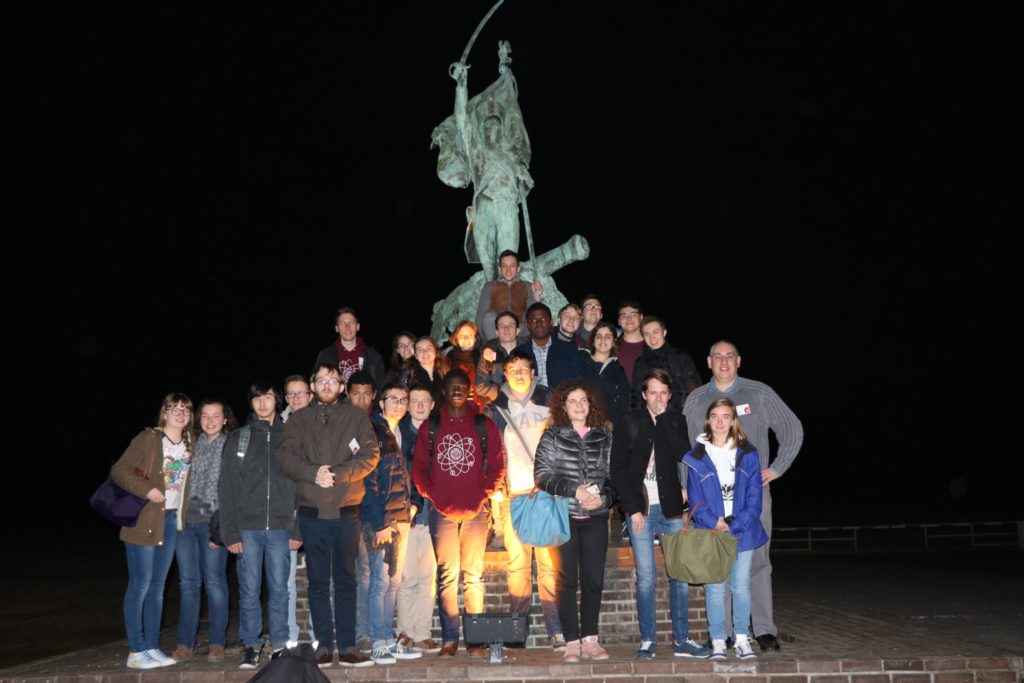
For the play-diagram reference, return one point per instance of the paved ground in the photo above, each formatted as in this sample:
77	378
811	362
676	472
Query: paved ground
843	606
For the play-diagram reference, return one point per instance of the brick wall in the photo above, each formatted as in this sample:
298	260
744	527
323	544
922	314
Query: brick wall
618	622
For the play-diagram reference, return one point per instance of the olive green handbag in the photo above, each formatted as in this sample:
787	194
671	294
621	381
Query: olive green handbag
699	555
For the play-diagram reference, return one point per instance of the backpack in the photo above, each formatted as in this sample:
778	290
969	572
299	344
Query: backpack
480	420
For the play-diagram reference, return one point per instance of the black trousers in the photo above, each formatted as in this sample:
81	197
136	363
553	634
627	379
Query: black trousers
579	563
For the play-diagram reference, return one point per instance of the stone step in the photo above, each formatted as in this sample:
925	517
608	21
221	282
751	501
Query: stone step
539	665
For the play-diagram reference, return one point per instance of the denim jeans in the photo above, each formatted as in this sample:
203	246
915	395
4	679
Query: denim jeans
739	587
459	547
383	589
293	626
199	567
580	562
331	546
678	591
263	552
144	600
520	574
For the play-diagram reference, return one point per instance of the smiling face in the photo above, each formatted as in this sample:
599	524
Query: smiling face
604	340
456	391
508	266
657	396
297	394
347	327
720	420
465	337
569	321
426	352
212	420
404	346
724	362
177	416
654	334
629	319
577	407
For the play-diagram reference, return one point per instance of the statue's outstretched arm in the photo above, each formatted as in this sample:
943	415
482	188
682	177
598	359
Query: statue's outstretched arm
460	72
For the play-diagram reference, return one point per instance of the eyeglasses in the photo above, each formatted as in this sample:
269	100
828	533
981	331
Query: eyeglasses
327	382
592	307
296	394
402	401
179	411
724	356
628	316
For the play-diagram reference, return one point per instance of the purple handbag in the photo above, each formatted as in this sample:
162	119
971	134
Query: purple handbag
116	505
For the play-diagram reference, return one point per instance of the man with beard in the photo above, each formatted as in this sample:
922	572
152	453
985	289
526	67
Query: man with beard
328	449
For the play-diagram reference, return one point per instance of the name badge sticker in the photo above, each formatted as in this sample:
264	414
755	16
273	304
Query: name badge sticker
353	446
743	409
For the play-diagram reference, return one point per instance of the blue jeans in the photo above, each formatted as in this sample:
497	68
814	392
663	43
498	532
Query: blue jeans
331	546
678	591
144	600
263	552
199	566
293	626
739	586
459	547
383	588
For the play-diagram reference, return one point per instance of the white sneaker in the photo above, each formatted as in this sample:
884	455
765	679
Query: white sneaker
717	649
141	660
161	659
742	648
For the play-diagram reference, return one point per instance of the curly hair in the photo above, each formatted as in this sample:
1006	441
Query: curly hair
596	417
230	421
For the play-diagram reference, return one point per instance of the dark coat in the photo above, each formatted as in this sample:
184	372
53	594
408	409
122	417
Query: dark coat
676	363
635	434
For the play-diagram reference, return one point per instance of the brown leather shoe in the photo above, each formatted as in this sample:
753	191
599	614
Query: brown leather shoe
216	654
448	649
429	645
475	650
324	657
405	641
182	654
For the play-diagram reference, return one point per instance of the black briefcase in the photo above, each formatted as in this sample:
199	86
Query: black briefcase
495	627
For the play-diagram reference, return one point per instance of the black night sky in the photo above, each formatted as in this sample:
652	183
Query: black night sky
195	188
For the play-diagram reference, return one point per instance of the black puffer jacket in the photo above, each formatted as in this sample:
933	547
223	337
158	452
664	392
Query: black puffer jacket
565	460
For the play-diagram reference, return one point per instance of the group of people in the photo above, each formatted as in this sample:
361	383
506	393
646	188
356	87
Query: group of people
391	480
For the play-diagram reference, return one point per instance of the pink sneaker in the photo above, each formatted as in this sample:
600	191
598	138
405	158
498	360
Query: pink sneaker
572	652
591	649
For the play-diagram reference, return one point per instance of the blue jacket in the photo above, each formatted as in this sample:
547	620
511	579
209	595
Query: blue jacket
409	435
563	362
703	487
388	485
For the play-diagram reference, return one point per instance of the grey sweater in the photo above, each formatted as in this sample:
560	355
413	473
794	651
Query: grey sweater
767	411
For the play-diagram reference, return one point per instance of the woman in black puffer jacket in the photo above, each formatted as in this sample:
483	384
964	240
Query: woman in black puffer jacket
572	461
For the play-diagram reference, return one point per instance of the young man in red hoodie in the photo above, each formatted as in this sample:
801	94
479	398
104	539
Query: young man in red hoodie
458	475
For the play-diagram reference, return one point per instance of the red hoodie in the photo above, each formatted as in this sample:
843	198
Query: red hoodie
455	479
